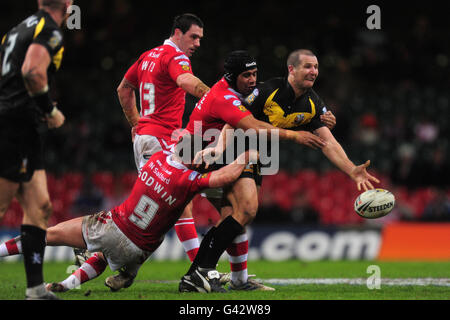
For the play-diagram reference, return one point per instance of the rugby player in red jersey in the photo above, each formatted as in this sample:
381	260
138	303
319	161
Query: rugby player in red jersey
128	234
162	76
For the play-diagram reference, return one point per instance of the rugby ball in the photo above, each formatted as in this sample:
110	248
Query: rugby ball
375	203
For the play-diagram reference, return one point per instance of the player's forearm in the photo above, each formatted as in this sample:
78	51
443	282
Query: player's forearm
336	154
127	99
230	172
192	85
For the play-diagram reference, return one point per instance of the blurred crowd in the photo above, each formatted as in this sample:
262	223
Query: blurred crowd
388	89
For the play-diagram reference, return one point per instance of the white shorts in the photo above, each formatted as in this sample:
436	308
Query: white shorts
145	146
101	234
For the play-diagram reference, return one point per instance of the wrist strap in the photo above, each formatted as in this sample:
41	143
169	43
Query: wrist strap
43	101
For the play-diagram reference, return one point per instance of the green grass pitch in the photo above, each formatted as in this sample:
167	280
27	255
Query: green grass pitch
158	280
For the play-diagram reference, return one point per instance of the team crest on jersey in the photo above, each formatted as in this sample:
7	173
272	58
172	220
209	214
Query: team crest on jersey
186	68
55	40
251	97
299	118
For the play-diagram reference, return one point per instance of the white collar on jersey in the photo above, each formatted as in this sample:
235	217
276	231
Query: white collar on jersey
239	95
171	43
174	163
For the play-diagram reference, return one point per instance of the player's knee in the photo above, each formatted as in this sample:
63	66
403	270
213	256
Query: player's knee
249	210
187	212
46	210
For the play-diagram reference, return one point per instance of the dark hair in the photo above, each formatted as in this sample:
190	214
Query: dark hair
185	21
294	57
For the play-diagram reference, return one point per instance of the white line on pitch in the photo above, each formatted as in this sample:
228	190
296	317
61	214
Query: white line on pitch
362	281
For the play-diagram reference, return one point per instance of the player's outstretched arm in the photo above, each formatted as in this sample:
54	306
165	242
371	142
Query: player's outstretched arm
300	137
231	172
209	155
192	85
336	154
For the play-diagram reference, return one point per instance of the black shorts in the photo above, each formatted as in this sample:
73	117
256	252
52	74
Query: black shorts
21	146
253	171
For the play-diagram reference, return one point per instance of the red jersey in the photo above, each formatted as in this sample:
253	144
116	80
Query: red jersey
219	106
162	101
161	192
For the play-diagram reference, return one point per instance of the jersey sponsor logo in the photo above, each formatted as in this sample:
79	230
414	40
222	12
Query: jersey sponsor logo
237	103
229	96
183	63
193	175
153	54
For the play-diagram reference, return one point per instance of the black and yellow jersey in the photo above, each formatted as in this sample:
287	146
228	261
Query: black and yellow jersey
274	101
39	28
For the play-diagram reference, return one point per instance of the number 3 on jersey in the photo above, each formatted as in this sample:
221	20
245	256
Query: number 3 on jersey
144	212
147	94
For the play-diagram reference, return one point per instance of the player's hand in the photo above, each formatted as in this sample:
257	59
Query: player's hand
55	121
309	139
328	119
362	178
206	156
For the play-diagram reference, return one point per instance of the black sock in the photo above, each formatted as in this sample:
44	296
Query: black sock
33	247
202	249
220	239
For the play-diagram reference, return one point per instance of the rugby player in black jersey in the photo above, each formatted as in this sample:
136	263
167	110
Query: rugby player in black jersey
291	103
30	53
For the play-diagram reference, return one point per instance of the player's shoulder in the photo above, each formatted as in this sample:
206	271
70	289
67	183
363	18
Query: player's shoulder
313	95
272	83
172	52
47	30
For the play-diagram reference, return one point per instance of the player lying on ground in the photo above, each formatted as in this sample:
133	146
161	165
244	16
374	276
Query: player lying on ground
127	235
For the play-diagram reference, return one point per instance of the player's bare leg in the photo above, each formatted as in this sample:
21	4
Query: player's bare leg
8	190
244	200
35	201
67	233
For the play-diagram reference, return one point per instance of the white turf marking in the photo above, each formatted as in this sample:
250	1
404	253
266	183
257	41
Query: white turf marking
445	282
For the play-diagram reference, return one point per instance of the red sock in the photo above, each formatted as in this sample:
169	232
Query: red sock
11	247
238	254
186	232
90	269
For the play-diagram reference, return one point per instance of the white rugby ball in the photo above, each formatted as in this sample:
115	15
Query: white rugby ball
375	203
